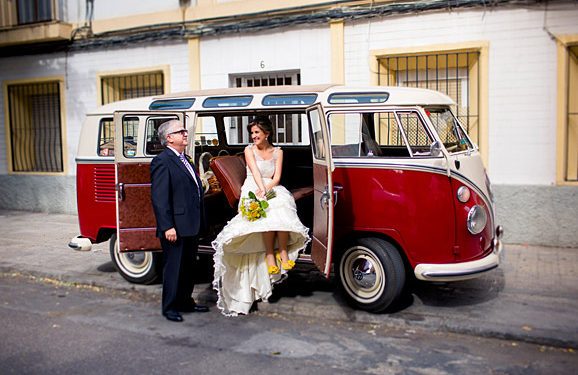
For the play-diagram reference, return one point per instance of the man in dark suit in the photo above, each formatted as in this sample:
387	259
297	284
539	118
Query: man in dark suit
177	198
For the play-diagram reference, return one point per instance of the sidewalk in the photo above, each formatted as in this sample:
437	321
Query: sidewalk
531	297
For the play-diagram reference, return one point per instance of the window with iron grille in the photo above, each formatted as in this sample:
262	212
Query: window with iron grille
455	74
571	173
128	86
287	128
35	127
32	11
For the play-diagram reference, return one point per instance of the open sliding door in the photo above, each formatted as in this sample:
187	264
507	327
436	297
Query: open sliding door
323	200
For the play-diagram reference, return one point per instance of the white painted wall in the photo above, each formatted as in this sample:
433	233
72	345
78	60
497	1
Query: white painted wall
74	11
105	9
522	75
80	70
307	49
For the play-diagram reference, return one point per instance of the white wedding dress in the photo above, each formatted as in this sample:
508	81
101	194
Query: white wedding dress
241	275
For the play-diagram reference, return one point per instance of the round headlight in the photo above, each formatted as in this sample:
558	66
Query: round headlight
463	194
477	219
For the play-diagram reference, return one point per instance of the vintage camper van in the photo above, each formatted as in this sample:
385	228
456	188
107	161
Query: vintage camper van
387	180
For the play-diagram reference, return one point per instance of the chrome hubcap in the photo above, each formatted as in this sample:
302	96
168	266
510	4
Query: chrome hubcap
363	274
134	264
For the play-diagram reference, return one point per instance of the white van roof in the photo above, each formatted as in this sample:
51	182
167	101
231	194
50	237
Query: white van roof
328	95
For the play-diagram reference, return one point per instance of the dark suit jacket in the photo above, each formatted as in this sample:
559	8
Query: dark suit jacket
177	200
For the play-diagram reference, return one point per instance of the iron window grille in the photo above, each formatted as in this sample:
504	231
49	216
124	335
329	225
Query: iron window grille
455	74
121	87
35	127
287	128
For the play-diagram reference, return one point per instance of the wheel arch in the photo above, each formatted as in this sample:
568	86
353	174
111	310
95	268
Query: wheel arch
351	237
104	234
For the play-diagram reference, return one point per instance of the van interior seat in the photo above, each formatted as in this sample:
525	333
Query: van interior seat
231	172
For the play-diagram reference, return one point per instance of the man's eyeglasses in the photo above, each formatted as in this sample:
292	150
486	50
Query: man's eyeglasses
181	132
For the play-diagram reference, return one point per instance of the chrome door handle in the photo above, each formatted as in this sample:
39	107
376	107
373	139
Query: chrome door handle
324	201
120	191
336	190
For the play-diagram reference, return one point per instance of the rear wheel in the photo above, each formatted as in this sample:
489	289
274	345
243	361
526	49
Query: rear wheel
371	274
143	267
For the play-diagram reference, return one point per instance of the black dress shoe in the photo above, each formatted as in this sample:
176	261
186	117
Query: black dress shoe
173	316
194	308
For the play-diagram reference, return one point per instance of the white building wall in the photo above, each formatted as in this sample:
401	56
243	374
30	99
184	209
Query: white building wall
522	76
103	9
307	49
80	70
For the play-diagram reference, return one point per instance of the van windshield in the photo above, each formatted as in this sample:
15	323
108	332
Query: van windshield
449	130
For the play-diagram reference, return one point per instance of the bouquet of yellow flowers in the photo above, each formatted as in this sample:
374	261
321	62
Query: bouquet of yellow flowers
252	208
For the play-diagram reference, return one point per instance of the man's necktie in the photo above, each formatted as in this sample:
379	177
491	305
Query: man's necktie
189	167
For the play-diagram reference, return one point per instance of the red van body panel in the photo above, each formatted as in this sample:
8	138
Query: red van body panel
410	206
96	198
469	246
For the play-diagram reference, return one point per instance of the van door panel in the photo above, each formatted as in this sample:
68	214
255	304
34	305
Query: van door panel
136	218
323	197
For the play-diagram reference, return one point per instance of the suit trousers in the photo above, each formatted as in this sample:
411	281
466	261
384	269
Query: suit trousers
179	259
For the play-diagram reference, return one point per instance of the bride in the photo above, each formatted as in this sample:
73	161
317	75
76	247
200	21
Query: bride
251	255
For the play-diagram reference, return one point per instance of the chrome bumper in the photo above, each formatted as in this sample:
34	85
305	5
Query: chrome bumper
462	271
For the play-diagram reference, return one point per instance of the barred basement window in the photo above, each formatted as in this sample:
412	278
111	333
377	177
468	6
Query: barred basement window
128	86
32	11
35	127
572	116
455	74
287	129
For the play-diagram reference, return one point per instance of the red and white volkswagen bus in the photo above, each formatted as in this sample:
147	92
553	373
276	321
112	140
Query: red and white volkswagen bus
386	178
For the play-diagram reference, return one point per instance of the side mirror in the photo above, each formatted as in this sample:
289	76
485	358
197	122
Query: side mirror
435	149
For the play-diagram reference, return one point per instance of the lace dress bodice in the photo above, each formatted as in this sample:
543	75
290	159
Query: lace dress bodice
266	166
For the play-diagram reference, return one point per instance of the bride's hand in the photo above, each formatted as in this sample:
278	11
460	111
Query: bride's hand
260	194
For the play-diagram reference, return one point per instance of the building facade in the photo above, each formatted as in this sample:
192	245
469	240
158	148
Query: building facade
511	67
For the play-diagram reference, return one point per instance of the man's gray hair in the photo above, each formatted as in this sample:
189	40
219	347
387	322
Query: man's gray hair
165	128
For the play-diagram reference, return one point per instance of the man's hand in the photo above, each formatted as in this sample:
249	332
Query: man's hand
171	235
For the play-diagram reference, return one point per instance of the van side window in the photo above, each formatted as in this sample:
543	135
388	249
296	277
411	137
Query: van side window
206	131
449	130
415	131
345	134
129	135
317	133
153	144
288	129
372	134
106	137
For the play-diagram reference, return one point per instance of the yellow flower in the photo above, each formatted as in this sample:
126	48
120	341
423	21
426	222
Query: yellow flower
252	208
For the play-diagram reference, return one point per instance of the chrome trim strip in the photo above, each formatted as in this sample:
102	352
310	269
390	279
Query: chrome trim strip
94	159
459	271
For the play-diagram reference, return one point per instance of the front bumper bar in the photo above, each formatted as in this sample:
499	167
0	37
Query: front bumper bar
462	271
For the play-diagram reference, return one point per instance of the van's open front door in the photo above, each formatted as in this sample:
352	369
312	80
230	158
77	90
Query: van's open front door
136	143
324	197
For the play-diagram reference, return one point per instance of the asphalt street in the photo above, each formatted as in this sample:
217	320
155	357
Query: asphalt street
531	297
57	328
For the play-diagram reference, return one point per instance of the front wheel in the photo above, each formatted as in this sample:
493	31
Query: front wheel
143	267
371	274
